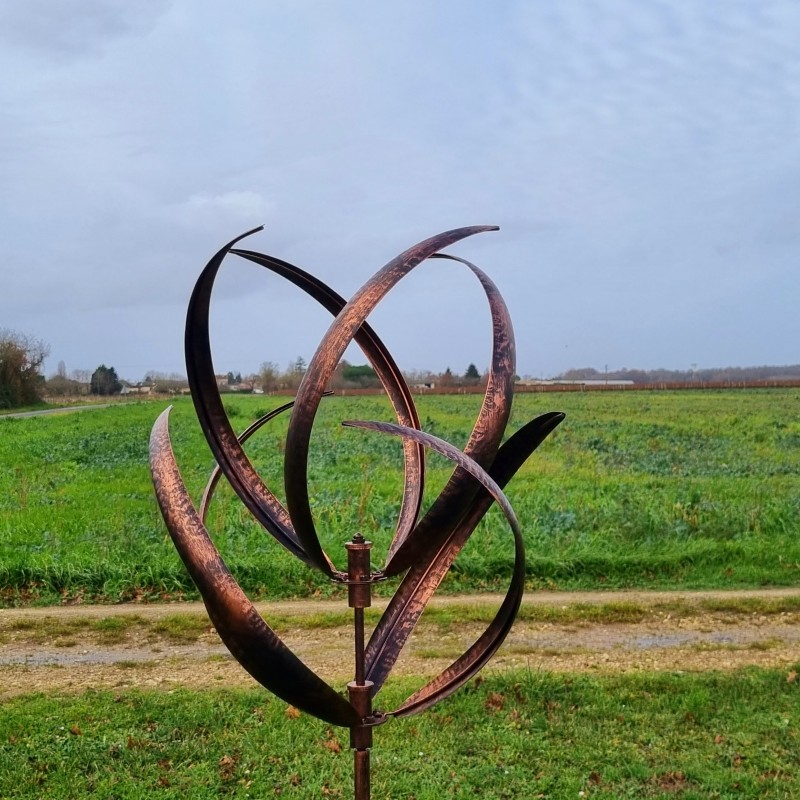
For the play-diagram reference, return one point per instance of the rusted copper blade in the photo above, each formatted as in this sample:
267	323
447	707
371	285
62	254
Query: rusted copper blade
321	367
480	652
510	458
424	549
448	450
422	580
483	442
385	368
216	473
251	641
222	440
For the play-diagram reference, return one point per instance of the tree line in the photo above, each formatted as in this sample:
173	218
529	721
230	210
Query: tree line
22	382
691	375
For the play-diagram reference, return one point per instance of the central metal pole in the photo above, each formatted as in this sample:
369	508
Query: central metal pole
359	578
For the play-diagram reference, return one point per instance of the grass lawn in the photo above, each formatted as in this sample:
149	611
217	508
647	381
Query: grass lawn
647	489
522	735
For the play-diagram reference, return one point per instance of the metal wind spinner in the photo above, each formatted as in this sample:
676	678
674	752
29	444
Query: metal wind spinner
423	548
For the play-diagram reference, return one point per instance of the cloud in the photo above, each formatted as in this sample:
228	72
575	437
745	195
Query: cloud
639	157
242	207
73	28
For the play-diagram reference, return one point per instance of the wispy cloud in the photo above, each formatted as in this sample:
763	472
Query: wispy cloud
641	158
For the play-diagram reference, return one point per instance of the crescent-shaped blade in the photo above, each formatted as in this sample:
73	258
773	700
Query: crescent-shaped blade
216	473
483	649
449	451
422	580
385	368
221	438
322	365
251	641
483	443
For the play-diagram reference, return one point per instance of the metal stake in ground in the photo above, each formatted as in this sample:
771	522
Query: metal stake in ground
424	546
359	587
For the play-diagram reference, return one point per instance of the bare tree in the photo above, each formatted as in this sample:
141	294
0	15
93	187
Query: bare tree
81	375
269	376
21	359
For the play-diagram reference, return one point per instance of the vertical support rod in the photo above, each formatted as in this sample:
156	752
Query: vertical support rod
359	577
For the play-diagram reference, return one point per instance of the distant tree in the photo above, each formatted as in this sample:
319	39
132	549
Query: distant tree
269	376
81	375
105	381
294	373
472	373
446	378
361	375
165	382
21	358
61	386
250	382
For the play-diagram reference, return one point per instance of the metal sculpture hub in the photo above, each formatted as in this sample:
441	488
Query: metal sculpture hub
424	546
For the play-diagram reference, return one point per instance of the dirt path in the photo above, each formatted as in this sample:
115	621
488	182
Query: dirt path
76	647
46	411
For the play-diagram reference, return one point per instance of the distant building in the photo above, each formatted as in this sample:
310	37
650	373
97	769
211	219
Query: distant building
558	382
136	388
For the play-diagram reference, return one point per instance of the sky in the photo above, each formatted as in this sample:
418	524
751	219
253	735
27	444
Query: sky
642	159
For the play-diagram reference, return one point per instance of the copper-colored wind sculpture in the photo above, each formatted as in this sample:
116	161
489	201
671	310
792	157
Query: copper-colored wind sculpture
424	546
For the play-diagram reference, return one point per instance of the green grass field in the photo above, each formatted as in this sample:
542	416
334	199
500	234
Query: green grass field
520	735
648	489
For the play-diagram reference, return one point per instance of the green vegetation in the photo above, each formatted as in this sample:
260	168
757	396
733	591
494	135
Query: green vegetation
21	358
710	735
655	489
105	381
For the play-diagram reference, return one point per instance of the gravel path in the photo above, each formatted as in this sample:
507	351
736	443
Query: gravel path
72	648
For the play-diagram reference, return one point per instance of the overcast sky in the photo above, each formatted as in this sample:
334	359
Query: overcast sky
642	160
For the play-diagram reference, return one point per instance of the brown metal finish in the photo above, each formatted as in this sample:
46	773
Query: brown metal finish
222	440
424	577
483	441
385	368
422	549
324	361
216	473
359	586
251	641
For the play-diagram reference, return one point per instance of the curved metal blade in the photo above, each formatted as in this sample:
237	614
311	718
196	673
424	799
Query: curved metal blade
387	371
322	365
443	515
216	473
222	440
251	641
482	650
423	579
449	451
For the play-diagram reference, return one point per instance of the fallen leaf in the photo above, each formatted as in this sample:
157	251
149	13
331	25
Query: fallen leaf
292	713
792	676
227	765
495	701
